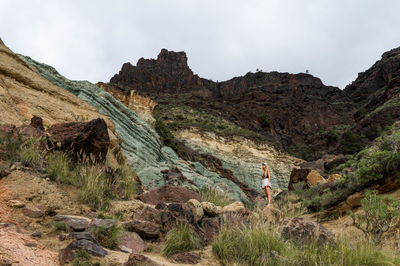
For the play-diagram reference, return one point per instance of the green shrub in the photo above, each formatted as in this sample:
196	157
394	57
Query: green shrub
215	196
109	238
96	188
350	143
58	168
381	213
31	153
265	121
10	147
82	258
166	136
180	239
59	226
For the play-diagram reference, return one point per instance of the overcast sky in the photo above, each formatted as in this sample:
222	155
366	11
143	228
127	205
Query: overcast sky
333	39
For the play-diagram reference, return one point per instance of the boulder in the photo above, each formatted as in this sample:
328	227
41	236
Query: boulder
314	178
37	122
16	204
76	223
169	194
233	207
196	208
132	241
297	176
333	177
105	223
174	213
33	212
68	254
139	260
4	172
210	227
210	209
83	139
145	229
83	235
332	160
187	257
272	214
301	230
148	214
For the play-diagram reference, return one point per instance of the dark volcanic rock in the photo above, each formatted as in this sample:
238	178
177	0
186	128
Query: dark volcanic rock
67	254
168	194
37	122
145	229
289	100
187	257
297	176
83	139
139	260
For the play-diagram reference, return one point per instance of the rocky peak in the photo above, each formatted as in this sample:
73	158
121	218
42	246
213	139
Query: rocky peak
169	73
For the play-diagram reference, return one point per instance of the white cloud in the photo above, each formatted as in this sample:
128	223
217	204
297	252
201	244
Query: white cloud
91	39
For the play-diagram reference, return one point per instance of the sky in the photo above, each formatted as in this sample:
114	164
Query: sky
91	39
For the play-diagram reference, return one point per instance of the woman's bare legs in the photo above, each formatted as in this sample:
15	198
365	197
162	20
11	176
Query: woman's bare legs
268	194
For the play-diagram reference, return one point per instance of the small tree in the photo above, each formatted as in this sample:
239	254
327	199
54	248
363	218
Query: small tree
380	214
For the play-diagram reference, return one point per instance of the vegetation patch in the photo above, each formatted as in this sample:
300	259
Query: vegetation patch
179	239
215	196
262	244
108	237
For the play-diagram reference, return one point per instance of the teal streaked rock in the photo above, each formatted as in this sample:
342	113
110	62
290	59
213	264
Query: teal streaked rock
140	142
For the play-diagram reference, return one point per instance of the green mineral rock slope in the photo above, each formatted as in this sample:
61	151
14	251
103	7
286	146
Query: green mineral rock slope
140	143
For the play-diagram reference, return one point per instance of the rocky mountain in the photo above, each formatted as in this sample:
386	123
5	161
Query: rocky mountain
279	106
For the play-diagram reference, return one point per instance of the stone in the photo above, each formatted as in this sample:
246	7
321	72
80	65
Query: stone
169	194
333	177
139	260
301	230
272	214
297	176
132	241
314	178
196	208
83	139
16	204
354	200
37	234
83	235
104	223
67	254
33	212
125	249
210	227
37	122
233	207
210	209
333	160
187	257
4	173
145	229
76	223
174	213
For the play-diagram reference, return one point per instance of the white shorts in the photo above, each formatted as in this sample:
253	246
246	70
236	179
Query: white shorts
265	182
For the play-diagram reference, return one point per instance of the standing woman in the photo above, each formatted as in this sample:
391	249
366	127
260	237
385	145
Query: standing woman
266	182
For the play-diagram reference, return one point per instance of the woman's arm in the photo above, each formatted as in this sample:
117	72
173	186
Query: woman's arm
269	176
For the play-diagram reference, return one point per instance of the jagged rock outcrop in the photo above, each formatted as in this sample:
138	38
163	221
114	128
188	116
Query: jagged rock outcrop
83	139
280	105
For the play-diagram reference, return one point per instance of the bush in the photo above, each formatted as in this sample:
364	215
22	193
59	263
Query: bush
109	238
180	239
214	196
350	143
381	213
265	121
96	189
31	153
58	168
166	136
10	147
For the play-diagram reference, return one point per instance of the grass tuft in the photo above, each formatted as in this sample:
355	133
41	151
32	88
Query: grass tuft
180	239
214	196
109	238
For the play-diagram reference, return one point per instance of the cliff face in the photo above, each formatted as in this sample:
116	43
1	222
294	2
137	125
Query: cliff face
140	143
377	94
289	108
